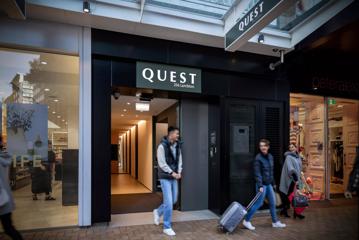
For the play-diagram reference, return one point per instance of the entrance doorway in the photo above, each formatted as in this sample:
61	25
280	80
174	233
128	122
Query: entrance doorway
138	122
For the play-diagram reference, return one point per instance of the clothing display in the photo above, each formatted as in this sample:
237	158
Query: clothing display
337	156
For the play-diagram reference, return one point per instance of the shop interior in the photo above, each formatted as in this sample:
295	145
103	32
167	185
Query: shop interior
343	120
138	122
39	99
326	133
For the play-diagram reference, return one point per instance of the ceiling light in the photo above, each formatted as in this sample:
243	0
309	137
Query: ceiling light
53	112
122	115
125	110
128	103
59	116
46	89
261	38
86	6
142	107
63	120
43	62
56	100
315	88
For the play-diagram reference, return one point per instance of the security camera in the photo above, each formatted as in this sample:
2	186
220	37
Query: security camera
116	95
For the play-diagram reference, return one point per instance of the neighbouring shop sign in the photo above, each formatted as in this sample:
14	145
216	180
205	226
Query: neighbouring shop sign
332	101
259	16
168	77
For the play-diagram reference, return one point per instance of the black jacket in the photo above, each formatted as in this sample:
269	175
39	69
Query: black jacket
263	169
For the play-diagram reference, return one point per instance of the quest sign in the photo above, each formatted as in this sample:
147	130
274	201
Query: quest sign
167	77
258	17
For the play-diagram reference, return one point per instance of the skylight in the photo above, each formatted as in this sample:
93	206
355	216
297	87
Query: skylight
208	8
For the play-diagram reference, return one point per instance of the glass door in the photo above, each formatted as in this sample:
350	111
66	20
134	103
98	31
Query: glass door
343	138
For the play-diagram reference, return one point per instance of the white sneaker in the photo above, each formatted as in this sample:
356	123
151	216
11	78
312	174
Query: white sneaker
248	225
169	232
278	224
156	217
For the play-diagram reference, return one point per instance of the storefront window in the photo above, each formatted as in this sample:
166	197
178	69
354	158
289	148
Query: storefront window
307	131
328	163
343	139
39	95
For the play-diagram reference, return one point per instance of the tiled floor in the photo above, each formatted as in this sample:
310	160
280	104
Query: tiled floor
30	214
125	184
333	220
133	219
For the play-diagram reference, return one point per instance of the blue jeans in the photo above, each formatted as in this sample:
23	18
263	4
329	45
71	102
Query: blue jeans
268	192
170	194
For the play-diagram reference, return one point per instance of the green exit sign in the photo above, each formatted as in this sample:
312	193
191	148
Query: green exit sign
332	101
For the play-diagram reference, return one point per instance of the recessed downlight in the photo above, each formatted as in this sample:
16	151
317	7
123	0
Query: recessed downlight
43	62
47	89
56	100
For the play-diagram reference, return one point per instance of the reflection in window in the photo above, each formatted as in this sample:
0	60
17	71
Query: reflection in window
39	125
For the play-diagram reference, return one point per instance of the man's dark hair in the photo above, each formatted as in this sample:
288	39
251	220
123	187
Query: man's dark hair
172	129
265	141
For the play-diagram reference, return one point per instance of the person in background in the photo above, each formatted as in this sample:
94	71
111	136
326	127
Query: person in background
290	179
7	206
169	159
42	176
263	171
51	159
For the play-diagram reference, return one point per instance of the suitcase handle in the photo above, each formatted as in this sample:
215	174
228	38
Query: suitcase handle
253	200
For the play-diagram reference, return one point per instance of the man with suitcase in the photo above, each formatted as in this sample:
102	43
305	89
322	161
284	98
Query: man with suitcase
263	171
169	159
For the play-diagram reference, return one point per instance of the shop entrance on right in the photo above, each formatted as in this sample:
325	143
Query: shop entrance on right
326	132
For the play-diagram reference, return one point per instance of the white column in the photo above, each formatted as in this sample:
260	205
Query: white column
84	209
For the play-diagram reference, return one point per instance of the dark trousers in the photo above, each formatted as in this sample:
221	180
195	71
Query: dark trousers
9	228
284	197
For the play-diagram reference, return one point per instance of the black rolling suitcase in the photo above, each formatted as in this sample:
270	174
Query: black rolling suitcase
234	215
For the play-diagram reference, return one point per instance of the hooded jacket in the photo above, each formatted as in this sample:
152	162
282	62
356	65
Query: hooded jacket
291	171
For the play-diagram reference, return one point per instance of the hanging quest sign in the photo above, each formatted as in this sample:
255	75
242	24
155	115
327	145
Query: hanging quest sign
167	77
260	15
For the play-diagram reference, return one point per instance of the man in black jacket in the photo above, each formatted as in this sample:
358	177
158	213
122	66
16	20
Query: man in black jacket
169	159
263	171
